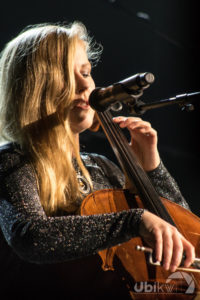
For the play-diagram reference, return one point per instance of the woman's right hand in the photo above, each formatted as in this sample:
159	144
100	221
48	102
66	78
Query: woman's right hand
167	242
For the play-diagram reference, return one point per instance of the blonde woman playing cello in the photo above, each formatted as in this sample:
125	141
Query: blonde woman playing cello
45	81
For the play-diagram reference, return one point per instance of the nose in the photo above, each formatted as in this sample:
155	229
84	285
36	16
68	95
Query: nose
82	84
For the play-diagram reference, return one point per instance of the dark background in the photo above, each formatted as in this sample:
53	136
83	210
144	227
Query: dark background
165	41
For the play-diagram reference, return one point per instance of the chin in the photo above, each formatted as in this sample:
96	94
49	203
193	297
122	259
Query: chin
85	126
81	120
81	125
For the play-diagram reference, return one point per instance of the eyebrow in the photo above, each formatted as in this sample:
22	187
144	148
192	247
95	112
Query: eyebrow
87	65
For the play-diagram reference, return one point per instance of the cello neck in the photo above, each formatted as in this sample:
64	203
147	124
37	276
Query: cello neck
132	168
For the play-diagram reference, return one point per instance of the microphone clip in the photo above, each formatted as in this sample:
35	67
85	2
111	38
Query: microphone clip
126	91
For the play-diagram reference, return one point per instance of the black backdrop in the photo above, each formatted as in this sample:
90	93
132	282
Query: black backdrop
158	36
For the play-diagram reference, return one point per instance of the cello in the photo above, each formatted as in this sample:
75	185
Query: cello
145	279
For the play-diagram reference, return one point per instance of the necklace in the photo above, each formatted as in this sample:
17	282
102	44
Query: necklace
83	184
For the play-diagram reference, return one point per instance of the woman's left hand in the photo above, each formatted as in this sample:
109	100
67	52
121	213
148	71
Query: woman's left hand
143	140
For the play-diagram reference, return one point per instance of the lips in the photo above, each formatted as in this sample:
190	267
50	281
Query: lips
80	103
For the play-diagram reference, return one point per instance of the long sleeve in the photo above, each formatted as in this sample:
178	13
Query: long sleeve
166	185
38	238
161	179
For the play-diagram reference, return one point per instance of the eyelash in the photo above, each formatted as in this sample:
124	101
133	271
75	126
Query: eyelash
86	74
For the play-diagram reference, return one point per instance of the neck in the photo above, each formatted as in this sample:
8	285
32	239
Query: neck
76	138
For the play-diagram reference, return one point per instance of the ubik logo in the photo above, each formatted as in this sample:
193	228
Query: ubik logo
182	275
168	286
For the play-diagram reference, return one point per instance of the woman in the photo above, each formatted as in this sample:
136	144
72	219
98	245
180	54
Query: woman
45	83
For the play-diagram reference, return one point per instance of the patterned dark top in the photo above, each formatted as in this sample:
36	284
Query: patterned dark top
35	238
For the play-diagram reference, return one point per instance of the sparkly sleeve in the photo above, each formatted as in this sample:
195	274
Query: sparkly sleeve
161	179
166	186
41	239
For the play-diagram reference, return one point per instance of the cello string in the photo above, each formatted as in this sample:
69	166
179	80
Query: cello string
117	138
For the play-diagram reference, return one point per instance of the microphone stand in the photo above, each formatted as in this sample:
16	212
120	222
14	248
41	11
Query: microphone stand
185	101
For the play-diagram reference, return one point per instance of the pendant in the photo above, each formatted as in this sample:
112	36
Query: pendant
83	184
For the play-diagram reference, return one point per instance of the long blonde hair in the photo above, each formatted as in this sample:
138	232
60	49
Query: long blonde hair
36	88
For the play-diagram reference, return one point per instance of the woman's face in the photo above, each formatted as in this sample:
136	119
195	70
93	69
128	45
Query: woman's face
81	114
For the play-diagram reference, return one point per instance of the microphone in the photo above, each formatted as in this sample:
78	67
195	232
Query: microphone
101	98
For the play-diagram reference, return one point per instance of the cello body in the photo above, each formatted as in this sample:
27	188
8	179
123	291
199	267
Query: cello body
145	281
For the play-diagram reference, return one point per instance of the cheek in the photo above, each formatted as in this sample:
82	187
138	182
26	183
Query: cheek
90	115
91	112
92	84
87	122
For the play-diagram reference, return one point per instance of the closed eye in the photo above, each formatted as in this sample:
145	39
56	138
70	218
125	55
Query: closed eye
85	75
86	70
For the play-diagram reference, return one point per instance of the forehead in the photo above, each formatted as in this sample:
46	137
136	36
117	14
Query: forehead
81	53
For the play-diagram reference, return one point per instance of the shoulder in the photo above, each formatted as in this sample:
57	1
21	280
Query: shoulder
17	175
104	166
12	159
98	160
11	155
